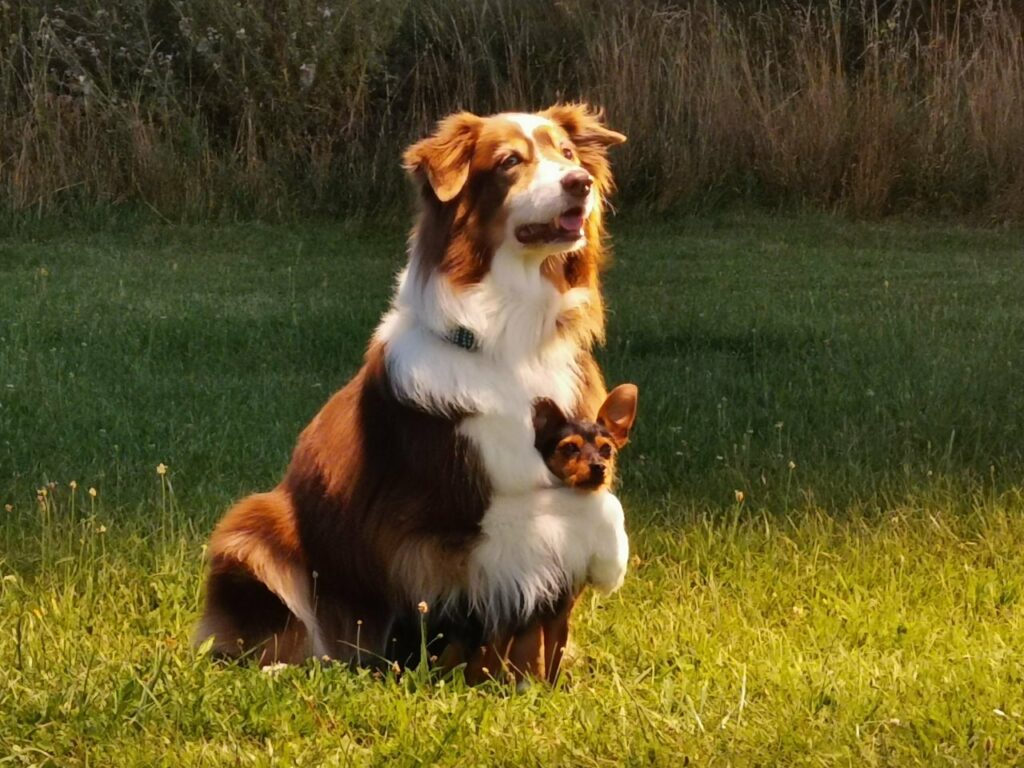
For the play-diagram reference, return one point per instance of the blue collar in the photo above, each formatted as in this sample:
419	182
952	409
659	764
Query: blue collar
462	337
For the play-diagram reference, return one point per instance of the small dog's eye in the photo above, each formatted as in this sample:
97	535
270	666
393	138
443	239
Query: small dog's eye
511	162
606	451
570	449
567	153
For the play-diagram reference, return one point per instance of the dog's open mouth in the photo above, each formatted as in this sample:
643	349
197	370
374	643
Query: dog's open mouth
567	228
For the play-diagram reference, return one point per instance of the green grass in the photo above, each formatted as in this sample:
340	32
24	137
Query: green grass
860	385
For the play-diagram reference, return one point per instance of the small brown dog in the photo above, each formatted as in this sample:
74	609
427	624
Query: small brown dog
579	452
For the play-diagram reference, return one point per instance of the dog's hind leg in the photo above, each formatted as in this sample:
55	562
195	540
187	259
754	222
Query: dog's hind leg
256	545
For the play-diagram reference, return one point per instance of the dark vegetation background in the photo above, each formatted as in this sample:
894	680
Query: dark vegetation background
204	109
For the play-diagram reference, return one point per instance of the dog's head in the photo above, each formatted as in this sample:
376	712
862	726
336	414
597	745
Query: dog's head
529	184
579	452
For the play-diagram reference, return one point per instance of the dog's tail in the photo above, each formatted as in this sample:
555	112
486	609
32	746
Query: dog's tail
256	565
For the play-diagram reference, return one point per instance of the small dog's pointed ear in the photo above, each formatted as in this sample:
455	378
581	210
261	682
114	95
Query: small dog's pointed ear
618	412
547	417
584	125
443	158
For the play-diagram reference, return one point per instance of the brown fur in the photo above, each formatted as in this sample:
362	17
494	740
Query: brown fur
591	139
385	500
534	649
381	503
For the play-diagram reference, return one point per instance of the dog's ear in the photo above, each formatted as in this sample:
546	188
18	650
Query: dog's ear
584	125
443	158
547	420
618	412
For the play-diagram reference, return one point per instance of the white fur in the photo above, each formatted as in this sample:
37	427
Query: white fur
513	312
527	122
537	544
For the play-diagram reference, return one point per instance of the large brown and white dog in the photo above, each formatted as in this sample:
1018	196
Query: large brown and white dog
419	480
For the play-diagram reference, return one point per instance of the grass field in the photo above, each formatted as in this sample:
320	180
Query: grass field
824	496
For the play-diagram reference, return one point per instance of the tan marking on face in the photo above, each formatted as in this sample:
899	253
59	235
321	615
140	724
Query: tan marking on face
552	141
572	471
501	139
576	440
575	469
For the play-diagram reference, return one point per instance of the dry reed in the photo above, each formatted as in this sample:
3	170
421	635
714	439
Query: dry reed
293	107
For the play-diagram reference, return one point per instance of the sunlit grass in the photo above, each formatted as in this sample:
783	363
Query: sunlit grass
824	498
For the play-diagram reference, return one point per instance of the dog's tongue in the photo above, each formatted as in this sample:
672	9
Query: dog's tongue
571	222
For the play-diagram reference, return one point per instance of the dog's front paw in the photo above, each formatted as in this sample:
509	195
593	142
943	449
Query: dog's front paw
607	567
605	573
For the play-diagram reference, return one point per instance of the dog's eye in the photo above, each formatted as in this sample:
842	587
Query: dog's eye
606	451
570	449
567	153
511	162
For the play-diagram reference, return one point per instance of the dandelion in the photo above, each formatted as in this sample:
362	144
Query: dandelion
161	469
792	464
739	496
423	608
8	507
73	485
92	492
41	492
273	669
101	529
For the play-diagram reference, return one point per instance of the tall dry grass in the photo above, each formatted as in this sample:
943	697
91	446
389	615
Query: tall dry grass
206	108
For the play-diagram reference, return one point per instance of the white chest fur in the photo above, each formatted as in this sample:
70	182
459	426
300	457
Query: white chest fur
537	544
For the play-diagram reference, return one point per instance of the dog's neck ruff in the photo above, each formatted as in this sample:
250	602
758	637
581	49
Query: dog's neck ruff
508	320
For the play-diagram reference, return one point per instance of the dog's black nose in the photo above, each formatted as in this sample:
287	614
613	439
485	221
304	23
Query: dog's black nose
577	183
597	472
